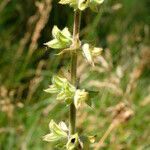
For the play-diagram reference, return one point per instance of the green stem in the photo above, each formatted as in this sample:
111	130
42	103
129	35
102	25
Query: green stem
76	30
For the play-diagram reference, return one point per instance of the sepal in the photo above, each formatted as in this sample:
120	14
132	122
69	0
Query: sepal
72	3
52	89
57	133
81	96
64	90
89	52
74	143
82	4
62	38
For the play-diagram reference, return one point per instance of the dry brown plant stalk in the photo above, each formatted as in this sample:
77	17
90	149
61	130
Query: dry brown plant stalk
122	113
44	8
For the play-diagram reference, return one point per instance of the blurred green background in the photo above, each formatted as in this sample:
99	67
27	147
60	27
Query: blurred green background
122	73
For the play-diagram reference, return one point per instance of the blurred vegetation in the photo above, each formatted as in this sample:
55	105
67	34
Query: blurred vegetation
122	73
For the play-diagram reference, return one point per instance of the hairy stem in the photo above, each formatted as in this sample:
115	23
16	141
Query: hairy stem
76	30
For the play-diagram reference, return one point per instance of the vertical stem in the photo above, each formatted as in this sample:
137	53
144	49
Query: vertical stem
76	30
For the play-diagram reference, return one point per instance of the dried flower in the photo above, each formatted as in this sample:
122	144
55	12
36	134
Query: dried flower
81	96
89	52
